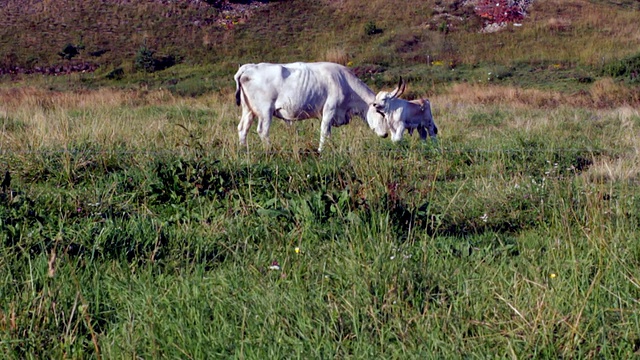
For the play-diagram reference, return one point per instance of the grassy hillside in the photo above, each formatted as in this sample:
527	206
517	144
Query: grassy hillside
431	42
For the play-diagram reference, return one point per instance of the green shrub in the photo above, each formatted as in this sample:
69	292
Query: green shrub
144	60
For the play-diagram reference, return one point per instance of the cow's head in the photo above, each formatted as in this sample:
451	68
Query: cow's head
383	98
379	109
377	122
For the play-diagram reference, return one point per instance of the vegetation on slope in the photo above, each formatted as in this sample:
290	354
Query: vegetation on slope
433	42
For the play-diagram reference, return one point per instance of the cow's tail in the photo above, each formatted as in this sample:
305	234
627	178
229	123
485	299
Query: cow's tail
238	87
241	95
238	91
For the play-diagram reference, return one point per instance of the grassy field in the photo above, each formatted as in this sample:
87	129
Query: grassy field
133	225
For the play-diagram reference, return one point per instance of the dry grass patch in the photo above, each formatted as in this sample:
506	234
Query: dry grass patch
34	97
337	55
496	94
603	94
606	93
559	24
105	116
624	166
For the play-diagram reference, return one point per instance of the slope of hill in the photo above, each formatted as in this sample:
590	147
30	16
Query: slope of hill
578	38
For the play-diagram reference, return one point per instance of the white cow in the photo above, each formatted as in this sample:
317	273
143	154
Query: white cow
402	114
299	91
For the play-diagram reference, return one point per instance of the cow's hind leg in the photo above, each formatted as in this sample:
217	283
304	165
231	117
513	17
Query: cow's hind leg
264	124
245	124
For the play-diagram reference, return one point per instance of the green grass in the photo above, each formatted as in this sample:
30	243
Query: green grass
515	236
134	225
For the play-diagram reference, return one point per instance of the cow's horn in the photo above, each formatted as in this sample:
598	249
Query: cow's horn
399	89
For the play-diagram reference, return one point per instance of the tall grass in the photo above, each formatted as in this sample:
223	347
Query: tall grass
135	226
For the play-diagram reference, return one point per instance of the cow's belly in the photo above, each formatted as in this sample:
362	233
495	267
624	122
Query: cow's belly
288	113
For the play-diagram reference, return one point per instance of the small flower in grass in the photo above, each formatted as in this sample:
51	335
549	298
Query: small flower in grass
484	217
274	265
297	250
553	275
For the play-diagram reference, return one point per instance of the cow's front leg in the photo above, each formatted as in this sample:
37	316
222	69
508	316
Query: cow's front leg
325	132
423	132
433	131
325	129
396	134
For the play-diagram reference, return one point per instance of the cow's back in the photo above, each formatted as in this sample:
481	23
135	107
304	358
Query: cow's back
301	90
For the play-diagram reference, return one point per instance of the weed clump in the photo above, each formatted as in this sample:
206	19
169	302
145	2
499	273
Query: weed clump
115	74
371	28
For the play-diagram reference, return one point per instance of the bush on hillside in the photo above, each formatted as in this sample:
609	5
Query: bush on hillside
69	51
627	68
144	60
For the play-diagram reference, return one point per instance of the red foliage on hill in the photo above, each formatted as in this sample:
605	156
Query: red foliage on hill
502	11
